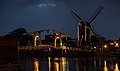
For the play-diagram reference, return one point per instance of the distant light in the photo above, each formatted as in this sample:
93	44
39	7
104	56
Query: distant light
64	47
116	44
57	37
111	43
37	36
105	46
95	47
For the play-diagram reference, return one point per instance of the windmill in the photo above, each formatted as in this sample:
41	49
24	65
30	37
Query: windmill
84	28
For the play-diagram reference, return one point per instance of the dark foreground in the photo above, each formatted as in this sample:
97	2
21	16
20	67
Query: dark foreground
78	63
83	63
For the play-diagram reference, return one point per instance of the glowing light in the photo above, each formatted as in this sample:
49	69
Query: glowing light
105	66
37	36
95	47
63	64
64	47
36	65
111	43
49	63
57	37
35	39
56	64
105	46
116	44
116	67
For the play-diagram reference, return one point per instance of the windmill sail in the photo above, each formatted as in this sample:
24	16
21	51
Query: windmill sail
95	14
97	36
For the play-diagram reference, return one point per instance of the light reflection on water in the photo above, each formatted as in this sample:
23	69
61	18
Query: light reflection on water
56	64
49	64
70	64
105	66
36	64
116	67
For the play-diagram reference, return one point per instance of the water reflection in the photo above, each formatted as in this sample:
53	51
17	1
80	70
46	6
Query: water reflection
49	64
105	66
77	64
116	67
56	64
61	64
36	64
64	64
70	64
95	67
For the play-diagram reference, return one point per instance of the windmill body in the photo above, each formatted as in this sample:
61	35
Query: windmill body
84	28
83	33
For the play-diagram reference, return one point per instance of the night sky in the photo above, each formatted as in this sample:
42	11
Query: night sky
35	15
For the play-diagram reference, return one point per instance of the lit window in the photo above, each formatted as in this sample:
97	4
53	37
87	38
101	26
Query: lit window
111	43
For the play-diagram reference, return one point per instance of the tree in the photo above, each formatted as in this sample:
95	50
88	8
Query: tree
95	41
18	34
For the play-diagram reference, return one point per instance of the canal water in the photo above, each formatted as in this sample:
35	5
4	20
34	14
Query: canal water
93	63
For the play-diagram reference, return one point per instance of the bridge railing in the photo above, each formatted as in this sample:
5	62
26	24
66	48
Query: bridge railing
34	47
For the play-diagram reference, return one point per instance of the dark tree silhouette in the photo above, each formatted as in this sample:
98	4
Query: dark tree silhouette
95	41
18	34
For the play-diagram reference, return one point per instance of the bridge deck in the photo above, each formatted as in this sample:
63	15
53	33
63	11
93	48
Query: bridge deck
48	47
